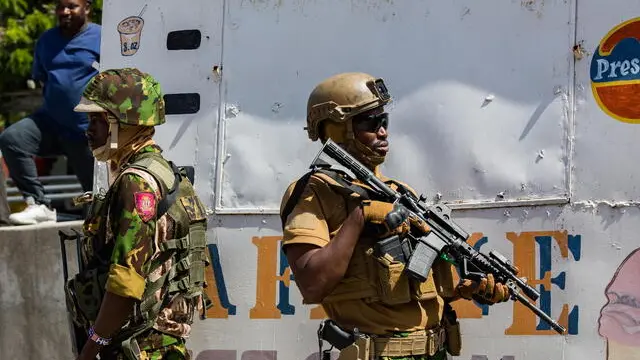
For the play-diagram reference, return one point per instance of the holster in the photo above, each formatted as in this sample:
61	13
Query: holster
361	349
352	344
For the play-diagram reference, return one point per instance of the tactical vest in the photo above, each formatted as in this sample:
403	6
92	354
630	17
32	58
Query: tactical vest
370	276
185	247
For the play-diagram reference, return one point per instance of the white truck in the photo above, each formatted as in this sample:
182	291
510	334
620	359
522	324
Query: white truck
521	115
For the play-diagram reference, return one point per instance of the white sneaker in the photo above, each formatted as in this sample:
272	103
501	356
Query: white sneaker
33	214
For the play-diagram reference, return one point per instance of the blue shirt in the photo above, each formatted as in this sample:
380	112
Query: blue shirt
64	65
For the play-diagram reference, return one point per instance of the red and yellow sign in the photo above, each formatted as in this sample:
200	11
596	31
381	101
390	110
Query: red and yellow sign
615	72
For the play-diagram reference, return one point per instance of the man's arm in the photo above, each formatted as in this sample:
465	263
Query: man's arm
319	269
134	226
37	70
317	262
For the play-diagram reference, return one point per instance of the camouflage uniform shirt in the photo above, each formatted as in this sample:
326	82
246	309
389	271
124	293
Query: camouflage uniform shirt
132	242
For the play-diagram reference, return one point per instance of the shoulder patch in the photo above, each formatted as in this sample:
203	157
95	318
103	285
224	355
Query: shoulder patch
145	205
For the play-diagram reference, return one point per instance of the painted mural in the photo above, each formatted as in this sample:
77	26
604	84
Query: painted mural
619	321
532	253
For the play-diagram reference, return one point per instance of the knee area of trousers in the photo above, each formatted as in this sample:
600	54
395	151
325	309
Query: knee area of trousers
8	138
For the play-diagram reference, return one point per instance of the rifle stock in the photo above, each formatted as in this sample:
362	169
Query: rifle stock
446	239
78	335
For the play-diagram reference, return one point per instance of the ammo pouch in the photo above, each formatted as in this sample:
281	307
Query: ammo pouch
452	329
454	339
382	279
419	343
395	286
84	293
392	281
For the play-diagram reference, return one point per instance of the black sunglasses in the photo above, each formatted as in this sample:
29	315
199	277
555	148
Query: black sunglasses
371	123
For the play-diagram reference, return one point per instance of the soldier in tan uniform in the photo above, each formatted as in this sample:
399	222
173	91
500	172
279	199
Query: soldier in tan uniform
330	232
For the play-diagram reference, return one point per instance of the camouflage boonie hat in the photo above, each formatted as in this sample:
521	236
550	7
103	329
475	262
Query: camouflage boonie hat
134	97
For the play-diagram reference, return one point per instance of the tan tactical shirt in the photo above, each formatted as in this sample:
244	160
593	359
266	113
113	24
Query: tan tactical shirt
315	220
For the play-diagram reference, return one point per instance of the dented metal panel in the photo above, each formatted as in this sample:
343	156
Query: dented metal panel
137	35
489	111
481	112
607	102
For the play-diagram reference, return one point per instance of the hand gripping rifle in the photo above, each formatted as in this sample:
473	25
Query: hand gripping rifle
446	239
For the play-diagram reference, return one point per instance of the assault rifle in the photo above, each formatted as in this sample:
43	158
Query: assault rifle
78	335
446	239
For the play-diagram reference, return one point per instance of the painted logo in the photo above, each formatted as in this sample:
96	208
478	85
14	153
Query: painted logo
130	30
615	72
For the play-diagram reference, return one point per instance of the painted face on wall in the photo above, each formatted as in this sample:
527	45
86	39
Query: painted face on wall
619	321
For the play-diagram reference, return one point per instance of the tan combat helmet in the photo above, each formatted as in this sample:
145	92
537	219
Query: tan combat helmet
337	100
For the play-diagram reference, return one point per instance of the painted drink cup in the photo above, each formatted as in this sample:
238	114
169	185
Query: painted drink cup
130	30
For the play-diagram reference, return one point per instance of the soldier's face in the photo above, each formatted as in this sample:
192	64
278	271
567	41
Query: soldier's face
370	129
98	130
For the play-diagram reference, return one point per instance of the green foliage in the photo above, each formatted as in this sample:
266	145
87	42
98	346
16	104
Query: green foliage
21	23
13	7
96	16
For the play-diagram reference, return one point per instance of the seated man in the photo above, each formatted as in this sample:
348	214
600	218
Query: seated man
63	62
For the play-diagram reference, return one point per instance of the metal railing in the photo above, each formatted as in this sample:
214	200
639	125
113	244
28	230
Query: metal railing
56	187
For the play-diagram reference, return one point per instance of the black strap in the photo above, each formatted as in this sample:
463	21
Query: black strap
171	194
345	187
295	194
189	172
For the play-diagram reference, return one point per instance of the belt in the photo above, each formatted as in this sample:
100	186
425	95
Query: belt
422	342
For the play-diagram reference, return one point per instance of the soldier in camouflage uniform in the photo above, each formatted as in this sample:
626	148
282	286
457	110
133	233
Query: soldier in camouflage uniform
330	230
144	250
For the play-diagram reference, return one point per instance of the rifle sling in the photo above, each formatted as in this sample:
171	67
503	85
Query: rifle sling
345	187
